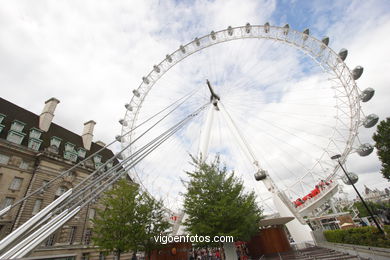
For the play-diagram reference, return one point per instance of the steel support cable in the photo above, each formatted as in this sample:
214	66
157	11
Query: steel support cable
289	155
76	195
186	97
240	134
33	220
196	112
113	178
138	159
243	140
97	171
321	148
244	81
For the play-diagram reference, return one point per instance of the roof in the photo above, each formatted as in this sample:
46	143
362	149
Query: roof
275	221
14	112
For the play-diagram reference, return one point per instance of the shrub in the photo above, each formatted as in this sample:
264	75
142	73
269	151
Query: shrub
365	236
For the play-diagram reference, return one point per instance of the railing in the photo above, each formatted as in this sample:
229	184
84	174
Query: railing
322	193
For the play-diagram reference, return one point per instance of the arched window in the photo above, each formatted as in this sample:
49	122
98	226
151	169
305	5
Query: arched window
61	190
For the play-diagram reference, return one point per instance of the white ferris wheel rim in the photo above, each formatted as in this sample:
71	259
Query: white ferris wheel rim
316	49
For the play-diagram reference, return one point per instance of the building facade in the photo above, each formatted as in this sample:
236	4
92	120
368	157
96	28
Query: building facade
33	151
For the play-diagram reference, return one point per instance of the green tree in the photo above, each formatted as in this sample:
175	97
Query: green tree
152	220
374	207
217	205
382	144
128	220
113	224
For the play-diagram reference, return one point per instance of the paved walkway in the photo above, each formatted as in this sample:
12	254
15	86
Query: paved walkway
311	253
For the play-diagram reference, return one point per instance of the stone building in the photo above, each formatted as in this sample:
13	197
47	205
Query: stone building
34	150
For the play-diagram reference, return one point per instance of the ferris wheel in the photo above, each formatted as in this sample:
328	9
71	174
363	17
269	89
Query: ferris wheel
276	102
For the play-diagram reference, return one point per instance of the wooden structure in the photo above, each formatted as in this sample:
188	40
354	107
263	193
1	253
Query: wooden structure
271	238
173	251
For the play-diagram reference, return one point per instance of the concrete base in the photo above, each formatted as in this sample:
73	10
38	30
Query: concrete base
230	251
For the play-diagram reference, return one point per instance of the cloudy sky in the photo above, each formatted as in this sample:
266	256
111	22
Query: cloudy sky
92	54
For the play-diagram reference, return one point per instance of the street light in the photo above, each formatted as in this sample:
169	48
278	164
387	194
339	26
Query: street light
337	157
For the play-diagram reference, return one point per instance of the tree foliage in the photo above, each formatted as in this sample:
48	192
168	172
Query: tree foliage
382	144
128	220
217	205
366	236
374	207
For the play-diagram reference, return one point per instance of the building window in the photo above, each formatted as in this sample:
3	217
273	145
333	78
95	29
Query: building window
35	133
8	201
34	143
4	159
72	234
61	190
69	147
37	206
50	240
24	165
17	126
15	137
97	159
85	256
2	116
55	141
71	156
44	183
87	237
91	213
109	165
16	183
81	152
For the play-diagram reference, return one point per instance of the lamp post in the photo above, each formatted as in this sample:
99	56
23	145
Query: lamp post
336	157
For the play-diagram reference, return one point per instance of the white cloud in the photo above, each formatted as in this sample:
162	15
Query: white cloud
91	55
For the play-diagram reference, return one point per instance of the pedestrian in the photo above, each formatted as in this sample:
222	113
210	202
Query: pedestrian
217	255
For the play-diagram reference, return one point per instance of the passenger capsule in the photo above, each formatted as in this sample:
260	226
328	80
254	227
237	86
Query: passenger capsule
197	42
169	58
306	33
367	94
212	34
248	28
123	122
325	41
156	69
365	149
136	93
353	176
343	53
357	72
286	28
118	138
260	175
128	107
266	27
370	120
145	80
230	31
182	49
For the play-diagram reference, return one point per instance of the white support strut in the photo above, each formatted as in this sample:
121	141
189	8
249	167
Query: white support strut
205	134
299	231
28	224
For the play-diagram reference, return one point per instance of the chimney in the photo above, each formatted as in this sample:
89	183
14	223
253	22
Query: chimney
88	134
47	114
